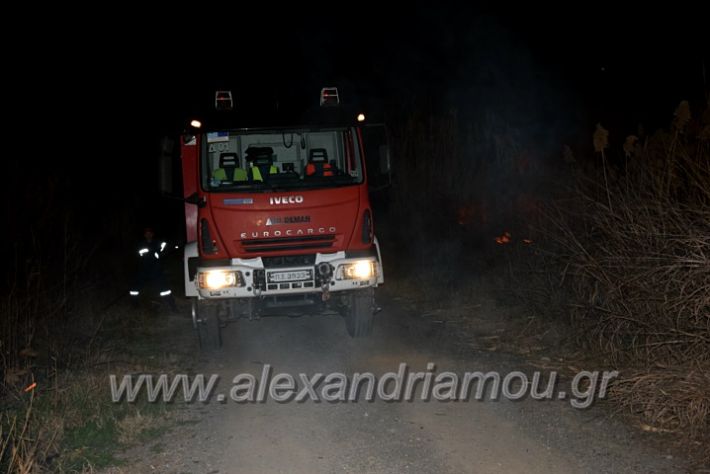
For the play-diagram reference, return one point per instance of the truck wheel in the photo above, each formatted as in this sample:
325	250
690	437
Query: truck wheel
206	320
359	312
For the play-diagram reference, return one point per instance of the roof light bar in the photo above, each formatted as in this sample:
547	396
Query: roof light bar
223	100
329	97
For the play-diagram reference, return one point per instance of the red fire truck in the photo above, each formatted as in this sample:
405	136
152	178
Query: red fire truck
278	216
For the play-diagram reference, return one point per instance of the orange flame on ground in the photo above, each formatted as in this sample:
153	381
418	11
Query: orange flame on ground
503	239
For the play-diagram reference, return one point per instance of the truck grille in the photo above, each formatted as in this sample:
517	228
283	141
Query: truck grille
289	261
288	243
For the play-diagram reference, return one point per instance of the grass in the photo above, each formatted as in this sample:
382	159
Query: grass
157	448
72	424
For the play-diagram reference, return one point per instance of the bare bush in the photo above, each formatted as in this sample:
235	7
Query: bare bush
630	251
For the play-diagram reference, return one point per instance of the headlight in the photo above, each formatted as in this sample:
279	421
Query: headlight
362	270
216	279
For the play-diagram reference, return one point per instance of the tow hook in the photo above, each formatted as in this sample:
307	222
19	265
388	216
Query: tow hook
325	271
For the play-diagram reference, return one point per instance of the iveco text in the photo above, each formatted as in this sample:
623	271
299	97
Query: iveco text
286	200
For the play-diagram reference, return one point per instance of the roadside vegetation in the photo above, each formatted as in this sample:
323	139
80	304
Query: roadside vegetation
602	254
624	260
64	326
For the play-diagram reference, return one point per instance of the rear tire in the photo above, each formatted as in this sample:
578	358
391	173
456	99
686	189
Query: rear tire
360	312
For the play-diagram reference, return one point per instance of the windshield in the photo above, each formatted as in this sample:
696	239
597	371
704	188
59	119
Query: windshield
240	161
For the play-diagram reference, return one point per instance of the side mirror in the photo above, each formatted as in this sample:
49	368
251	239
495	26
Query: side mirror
377	154
189	139
195	199
385	163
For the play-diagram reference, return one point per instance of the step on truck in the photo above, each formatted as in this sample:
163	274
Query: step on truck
278	217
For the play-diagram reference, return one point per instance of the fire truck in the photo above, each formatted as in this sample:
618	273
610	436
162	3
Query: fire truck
278	215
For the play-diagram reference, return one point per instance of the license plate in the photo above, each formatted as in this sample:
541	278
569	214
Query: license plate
291	275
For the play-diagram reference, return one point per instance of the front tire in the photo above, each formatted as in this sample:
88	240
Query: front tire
206	321
360	312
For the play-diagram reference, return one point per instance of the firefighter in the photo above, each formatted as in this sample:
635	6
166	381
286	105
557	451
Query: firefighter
150	272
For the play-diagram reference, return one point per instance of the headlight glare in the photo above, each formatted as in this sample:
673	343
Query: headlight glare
361	270
217	279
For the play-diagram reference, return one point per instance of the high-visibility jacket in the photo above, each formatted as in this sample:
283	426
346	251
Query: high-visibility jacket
256	172
149	269
151	251
220	174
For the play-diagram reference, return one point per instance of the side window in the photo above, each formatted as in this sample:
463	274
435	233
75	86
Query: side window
221	155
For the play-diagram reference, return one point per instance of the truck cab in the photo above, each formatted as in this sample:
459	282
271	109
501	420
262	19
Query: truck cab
278	216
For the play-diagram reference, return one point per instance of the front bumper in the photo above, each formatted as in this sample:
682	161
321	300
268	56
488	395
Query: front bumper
254	280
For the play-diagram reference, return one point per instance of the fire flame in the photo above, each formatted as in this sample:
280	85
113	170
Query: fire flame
504	238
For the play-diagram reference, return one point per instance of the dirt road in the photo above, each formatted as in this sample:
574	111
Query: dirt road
384	437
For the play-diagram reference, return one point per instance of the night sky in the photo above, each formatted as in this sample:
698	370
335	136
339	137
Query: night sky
154	71
91	96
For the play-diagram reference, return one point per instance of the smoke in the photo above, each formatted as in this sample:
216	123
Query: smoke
477	128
